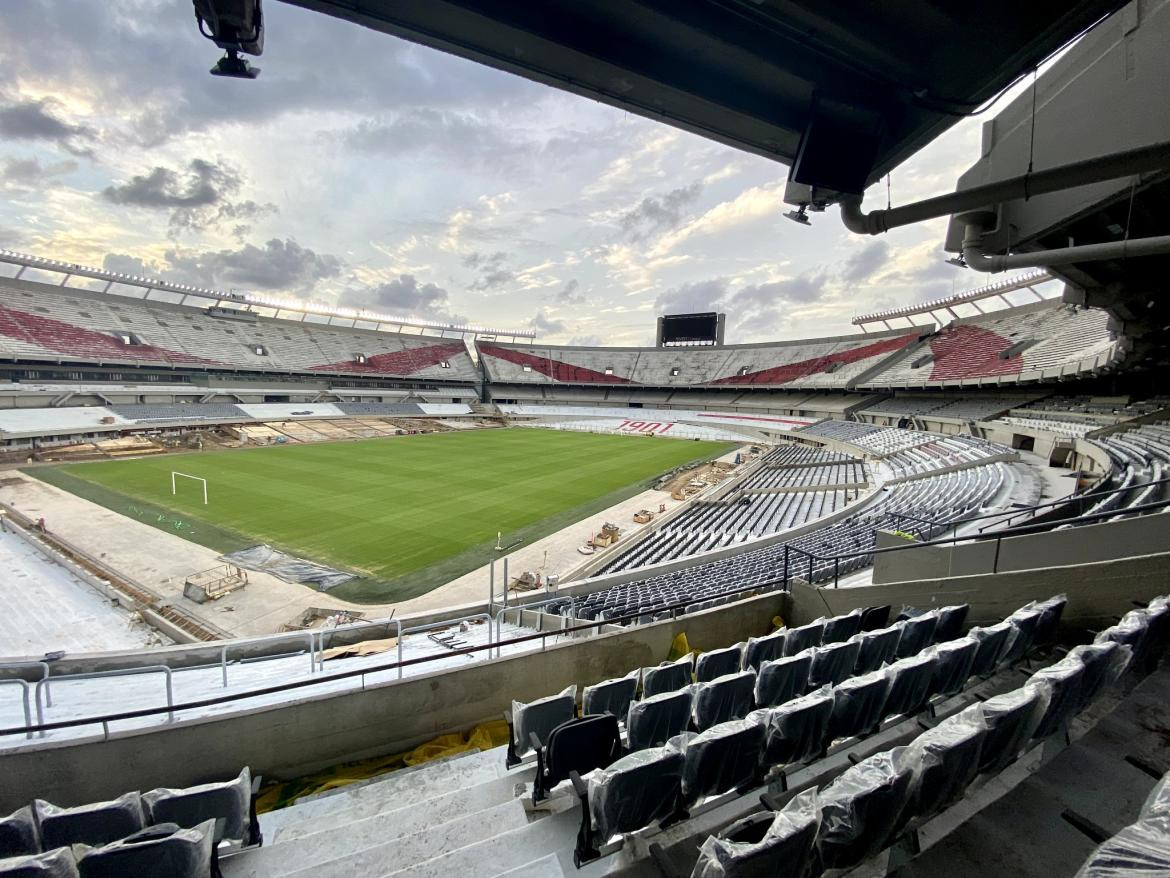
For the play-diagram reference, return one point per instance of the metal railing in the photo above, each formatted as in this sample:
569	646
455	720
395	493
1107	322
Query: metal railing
23	684
125	672
43	665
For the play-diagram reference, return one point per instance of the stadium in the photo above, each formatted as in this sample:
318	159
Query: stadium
888	601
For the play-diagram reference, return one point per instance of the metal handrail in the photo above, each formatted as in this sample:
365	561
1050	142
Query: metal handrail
124	672
24	698
171	709
396	624
43	665
223	652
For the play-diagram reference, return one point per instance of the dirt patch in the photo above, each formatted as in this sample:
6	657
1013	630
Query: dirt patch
710	473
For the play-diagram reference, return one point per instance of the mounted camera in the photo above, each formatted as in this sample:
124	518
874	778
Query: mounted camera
235	26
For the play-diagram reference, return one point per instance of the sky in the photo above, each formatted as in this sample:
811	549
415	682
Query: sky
367	171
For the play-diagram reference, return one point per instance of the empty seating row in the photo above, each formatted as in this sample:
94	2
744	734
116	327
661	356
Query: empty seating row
163	833
802	455
850	473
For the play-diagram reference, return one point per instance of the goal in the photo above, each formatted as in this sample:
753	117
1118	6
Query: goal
175	476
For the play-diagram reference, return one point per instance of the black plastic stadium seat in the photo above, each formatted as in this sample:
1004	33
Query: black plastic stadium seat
840	628
993	643
92	824
949	762
873	618
1050	612
579	745
1011	719
800	639
1025	622
782	680
229	803
955	659
798	730
763	649
717	663
724	757
857	704
950	622
1064	681
667	677
724	699
57	863
610	696
653	721
911	682
862	808
537	718
1104	663
19	835
780	844
161	851
832	663
917	634
876	648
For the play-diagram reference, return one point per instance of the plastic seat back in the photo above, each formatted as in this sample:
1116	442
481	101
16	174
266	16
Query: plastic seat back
832	663
653	721
228	803
717	663
162	851
863	807
798	730
635	791
786	847
667	677
876	648
949	762
840	628
993	643
610	696
800	639
954	660
911	684
580	745
724	757
763	649
782	680
858	704
724	699
1064	681
1011	720
950	622
917	634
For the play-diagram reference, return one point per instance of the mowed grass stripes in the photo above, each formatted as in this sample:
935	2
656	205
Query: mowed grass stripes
408	512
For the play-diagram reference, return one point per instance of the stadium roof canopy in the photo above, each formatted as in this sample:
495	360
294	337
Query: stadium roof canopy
843	91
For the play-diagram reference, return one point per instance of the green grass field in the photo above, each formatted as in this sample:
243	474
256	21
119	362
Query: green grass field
406	513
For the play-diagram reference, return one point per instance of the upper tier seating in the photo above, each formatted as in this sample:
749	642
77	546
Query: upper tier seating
46	323
1045	340
812	363
963	408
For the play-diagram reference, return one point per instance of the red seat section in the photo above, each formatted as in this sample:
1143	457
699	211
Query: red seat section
803	368
78	343
404	362
554	369
970	351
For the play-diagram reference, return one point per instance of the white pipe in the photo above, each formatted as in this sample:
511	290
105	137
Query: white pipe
977	259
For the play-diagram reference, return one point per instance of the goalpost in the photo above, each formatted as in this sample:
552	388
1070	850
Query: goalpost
174	488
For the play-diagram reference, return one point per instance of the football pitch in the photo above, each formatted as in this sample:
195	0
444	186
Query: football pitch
406	513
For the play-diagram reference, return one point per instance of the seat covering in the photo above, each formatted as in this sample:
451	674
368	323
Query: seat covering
1063	680
876	648
764	649
635	791
911	682
1140	850
786	849
162	851
863	807
782	680
653	721
1011	719
800	639
724	699
18	834
667	677
92	824
1024	621
57	863
949	755
228	803
993	643
953	662
1104	663
832	663
796	731
724	757
840	628
717	663
1050	612
540	717
917	633
610	696
950	622
858	703
1156	808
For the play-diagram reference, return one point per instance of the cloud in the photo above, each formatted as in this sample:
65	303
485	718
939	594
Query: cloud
39	120
570	293
865	263
31	174
491	270
403	296
586	341
202	195
691	298
546	325
278	265
654	215
753	307
123	263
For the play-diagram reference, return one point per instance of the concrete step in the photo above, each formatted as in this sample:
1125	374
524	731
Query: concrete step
502	851
545	867
433	843
394	790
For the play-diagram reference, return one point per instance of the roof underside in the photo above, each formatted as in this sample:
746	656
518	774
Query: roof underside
863	84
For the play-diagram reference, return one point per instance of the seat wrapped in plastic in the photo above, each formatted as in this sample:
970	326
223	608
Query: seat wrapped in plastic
1158	637
1011	720
635	791
1024	622
1140	850
1104	664
786	849
540	717
949	761
1156	808
228	803
863	807
667	677
57	863
796	731
950	622
838	629
993	642
858	704
96	823
758	650
783	679
717	663
954	658
917	633
161	851
19	835
911	684
1049	623
725	757
876	648
873	618
832	663
653	721
724	699
800	639
1063	680
610	696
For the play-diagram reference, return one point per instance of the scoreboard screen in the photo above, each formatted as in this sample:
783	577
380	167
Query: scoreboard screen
690	329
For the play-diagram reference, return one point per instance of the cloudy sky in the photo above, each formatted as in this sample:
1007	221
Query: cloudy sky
368	171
